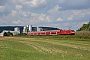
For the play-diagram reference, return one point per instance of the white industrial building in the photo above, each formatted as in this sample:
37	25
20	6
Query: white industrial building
27	29
15	32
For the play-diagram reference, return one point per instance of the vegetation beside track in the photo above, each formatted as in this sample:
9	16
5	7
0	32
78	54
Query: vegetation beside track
78	35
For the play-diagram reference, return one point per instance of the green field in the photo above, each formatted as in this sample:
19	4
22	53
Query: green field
44	48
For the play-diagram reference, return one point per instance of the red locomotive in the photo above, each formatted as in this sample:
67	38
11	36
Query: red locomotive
52	32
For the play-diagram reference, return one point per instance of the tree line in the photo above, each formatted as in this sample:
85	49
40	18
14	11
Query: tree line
85	27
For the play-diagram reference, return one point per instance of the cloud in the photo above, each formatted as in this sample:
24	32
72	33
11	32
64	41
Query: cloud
36	3
60	13
59	19
75	5
1	8
17	22
18	7
54	10
32	4
79	14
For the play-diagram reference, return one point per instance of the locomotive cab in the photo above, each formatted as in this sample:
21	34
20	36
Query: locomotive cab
72	32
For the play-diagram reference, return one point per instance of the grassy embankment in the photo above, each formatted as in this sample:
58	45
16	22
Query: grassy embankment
75	47
78	35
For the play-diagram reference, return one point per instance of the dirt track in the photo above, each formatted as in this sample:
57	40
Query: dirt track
15	38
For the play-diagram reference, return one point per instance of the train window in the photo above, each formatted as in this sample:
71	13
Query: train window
73	31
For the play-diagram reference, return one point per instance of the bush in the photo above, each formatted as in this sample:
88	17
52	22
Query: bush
8	33
83	34
5	34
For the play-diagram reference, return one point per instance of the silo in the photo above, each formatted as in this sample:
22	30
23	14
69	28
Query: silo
25	30
38	29
30	28
27	26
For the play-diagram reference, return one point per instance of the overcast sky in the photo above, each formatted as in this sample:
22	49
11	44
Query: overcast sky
55	13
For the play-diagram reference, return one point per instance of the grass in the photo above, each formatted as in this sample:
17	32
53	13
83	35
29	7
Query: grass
67	47
45	47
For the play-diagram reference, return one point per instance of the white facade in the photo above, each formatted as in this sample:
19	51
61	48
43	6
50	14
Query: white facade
1	34
16	29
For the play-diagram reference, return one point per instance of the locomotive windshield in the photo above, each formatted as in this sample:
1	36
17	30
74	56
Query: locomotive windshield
73	31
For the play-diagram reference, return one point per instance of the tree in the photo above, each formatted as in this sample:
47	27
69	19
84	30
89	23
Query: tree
89	26
5	34
85	27
8	33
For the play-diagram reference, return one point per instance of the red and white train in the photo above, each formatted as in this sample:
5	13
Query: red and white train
31	31
52	32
